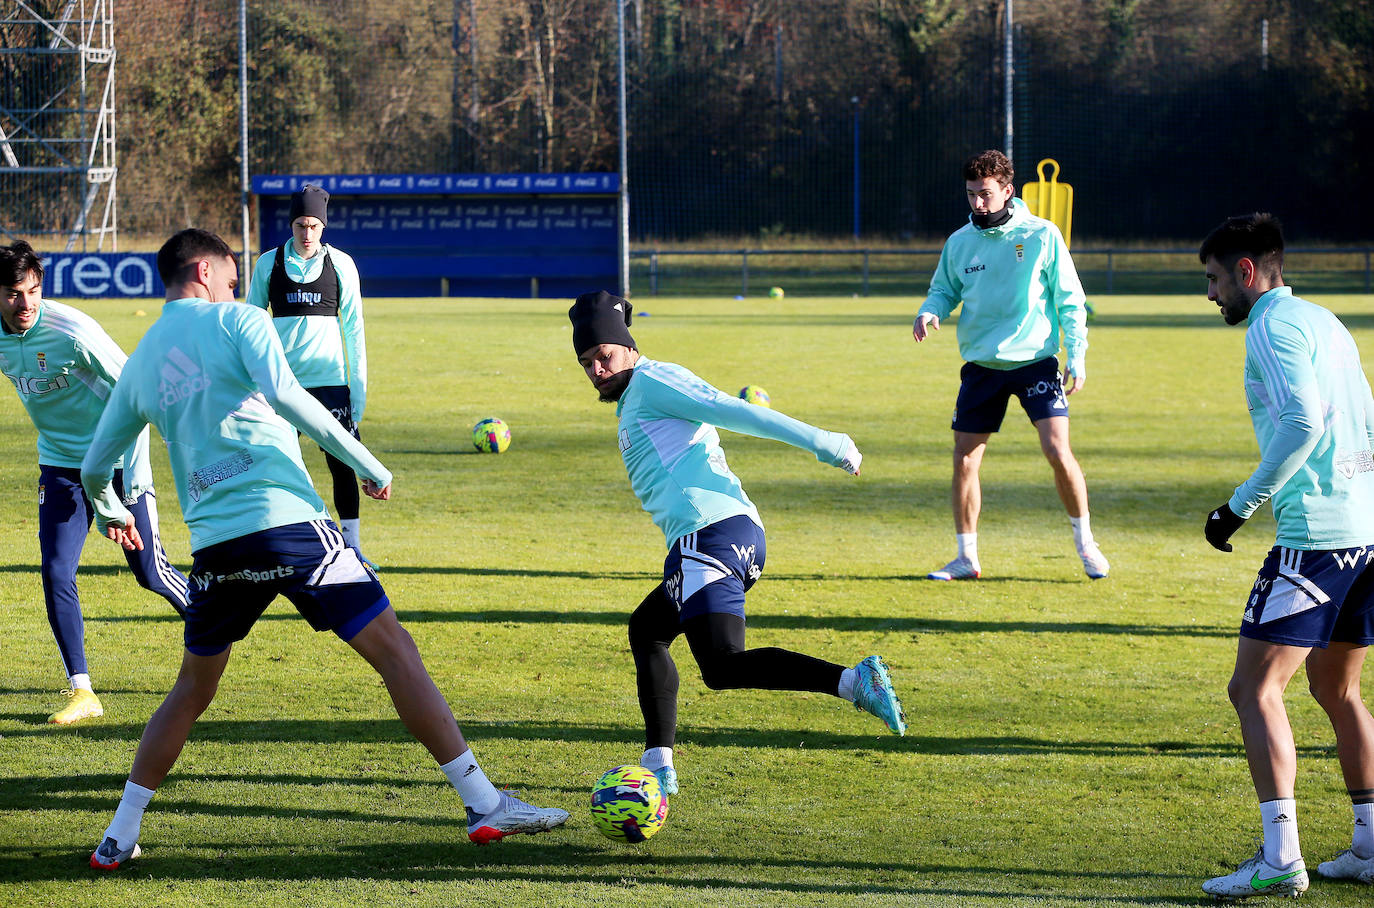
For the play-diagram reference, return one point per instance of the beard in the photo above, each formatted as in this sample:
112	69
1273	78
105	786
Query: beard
612	390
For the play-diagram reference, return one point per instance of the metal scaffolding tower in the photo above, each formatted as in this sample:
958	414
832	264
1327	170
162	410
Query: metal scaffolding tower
57	121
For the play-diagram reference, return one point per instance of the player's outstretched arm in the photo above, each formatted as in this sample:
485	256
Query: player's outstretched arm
261	353
693	399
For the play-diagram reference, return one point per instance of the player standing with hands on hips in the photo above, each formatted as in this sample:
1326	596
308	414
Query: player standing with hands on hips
1313	601
64	365
1013	275
716	551
211	375
314	295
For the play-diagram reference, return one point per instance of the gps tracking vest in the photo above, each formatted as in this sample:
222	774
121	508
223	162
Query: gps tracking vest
287	298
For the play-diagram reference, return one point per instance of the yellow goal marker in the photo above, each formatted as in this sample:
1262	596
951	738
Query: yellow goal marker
1050	199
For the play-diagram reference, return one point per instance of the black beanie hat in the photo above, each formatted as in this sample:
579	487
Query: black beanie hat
600	318
310	201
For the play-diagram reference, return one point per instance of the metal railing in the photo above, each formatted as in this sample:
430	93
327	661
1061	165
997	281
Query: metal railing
907	271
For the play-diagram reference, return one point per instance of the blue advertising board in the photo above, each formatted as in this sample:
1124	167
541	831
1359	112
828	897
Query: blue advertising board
547	235
101	274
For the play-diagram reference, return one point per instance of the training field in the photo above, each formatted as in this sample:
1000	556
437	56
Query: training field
1070	741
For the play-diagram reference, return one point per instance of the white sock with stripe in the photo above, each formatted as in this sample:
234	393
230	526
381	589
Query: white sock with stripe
473	785
1362	841
1280	818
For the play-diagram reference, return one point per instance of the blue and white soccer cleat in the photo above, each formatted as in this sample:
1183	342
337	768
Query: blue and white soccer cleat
873	693
109	856
1257	877
667	779
512	816
960	568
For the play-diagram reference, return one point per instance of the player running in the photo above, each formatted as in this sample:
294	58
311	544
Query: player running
716	551
63	365
1313	601
314	295
1012	273
211	375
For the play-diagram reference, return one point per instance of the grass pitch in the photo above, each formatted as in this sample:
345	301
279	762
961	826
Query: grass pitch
1070	741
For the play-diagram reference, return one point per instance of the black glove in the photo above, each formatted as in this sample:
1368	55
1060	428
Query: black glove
1220	526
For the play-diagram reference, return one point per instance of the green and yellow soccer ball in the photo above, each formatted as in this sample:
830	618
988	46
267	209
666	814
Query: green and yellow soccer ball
628	805
755	395
776	293
491	436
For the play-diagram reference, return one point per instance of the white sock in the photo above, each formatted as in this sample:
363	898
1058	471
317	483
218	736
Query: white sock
81	682
128	816
1082	532
657	758
848	678
473	785
968	546
1280	818
1362	842
352	532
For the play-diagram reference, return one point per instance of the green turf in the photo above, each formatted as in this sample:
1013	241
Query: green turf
1070	741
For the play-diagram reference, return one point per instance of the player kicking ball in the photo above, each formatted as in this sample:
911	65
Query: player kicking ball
716	550
211	375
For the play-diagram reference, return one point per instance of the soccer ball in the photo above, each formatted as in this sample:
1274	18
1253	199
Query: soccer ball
628	805
776	293
1089	312
491	436
755	395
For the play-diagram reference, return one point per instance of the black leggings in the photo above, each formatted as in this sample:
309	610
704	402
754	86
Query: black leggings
346	497
717	642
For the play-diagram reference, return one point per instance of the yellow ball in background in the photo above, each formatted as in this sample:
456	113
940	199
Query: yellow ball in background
776	293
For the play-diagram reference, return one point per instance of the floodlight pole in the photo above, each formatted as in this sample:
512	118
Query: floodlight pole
245	268
1007	64
624	154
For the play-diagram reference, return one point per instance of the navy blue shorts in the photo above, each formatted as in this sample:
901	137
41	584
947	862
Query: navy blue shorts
984	392
337	401
1312	598
709	571
233	582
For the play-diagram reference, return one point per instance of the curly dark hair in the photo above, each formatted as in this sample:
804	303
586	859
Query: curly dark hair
990	163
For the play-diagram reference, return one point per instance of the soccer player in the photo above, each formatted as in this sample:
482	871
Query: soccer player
313	293
211	375
1312	602
63	365
716	551
1013	275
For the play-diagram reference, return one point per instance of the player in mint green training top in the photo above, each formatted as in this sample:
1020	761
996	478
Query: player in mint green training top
314	295
1313	602
63	365
210	374
1013	276
716	549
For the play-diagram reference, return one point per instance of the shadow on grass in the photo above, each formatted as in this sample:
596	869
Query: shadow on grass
391	731
548	860
856	623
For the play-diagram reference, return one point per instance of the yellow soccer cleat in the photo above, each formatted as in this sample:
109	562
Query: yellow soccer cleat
84	705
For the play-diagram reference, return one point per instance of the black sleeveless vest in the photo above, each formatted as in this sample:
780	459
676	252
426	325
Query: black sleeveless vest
285	297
